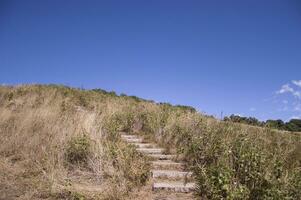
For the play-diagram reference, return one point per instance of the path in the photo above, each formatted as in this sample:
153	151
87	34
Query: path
169	179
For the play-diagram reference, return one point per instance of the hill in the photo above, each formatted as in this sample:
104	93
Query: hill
59	142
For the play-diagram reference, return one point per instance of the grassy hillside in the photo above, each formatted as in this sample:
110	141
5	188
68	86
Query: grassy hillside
64	143
54	146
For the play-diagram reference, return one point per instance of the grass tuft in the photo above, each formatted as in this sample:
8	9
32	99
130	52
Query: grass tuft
78	150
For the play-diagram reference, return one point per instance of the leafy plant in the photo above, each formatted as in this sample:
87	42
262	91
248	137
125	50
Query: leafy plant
78	149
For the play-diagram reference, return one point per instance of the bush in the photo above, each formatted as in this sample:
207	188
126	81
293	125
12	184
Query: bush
130	163
78	150
294	191
70	195
130	169
250	167
118	122
241	169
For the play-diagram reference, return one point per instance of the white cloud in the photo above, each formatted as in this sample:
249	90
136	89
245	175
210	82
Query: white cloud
285	88
290	104
297	83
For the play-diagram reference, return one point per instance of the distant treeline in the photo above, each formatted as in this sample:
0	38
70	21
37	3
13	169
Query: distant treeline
292	125
138	99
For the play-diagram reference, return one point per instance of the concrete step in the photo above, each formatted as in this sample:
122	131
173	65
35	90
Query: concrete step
167	164
174	187
129	136
151	150
133	140
144	145
161	156
170	174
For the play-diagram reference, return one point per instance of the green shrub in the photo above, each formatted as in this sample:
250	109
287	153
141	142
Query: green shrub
149	122
76	196
294	189
10	96
120	121
241	169
78	150
82	101
132	164
131	168
70	195
250	167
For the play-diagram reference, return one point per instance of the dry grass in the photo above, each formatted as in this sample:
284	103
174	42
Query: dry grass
38	122
36	125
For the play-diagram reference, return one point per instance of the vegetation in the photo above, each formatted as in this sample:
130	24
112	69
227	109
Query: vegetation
59	143
55	145
292	125
78	150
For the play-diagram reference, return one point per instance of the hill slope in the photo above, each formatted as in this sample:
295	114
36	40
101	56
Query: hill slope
64	143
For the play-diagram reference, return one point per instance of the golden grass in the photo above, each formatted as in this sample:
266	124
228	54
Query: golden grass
37	123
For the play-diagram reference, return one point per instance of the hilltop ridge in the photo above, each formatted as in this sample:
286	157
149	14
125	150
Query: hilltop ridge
59	142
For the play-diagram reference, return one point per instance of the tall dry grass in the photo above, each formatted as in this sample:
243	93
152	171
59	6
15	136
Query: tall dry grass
229	160
64	143
37	127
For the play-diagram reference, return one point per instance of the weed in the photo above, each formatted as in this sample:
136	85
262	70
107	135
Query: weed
78	150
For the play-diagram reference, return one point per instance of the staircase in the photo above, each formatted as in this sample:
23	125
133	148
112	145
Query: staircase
168	176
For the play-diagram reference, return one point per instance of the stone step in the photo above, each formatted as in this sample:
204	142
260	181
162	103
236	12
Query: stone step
151	150
165	171
174	187
166	164
133	140
170	174
161	156
129	136
144	145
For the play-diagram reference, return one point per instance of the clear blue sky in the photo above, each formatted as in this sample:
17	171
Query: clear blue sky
233	56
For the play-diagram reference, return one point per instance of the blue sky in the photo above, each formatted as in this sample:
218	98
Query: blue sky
241	57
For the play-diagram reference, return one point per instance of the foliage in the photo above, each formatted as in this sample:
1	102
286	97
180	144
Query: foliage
101	91
130	163
117	122
241	169
292	125
78	149
247	120
187	108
